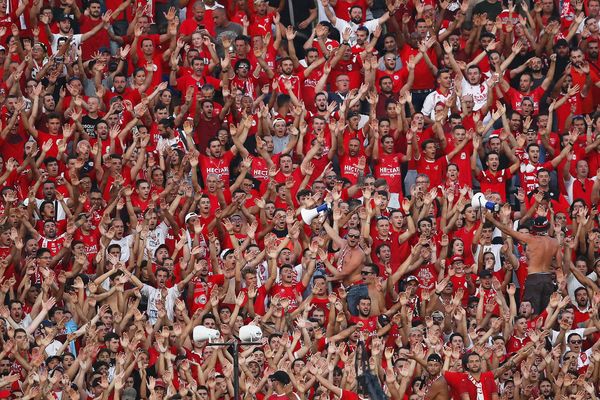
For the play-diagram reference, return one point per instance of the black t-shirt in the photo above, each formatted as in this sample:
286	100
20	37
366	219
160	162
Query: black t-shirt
89	125
491	9
300	11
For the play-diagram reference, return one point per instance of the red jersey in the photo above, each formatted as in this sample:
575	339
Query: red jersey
388	168
494	182
218	166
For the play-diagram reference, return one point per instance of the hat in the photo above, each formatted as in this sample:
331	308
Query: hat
47	323
540	224
457	258
412	278
327	24
189	216
485	273
129	394
280	376
437	314
434	357
383	320
525	225
225	253
104	50
161	383
65	18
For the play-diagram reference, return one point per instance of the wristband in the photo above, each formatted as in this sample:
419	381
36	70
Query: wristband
438	293
570	144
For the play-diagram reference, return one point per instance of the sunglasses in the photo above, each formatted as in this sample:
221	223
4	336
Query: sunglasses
353	236
575	342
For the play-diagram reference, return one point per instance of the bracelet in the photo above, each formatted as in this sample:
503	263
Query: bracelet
570	144
438	293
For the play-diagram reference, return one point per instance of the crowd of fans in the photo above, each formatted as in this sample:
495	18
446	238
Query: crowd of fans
156	159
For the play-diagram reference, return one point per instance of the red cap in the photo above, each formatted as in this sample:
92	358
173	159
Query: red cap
457	258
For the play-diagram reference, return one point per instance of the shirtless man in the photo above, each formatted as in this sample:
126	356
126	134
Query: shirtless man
540	250
436	387
349	261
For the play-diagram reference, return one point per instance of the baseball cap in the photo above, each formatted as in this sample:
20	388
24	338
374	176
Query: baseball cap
190	216
225	253
486	273
412	278
457	258
280	376
160	383
540	224
562	42
437	314
434	357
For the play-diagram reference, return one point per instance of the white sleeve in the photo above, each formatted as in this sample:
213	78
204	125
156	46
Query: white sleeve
147	290
341	25
372	24
428	105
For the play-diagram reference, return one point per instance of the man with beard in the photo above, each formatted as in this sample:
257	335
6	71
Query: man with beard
207	123
287	77
196	79
541	250
492	178
546	389
356	19
476	384
584	77
526	88
65	31
87	22
352	164
349	260
386	95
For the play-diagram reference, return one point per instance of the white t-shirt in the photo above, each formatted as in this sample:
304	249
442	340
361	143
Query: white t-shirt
75	43
341	26
478	92
578	331
153	295
59	212
431	100
157	237
125	242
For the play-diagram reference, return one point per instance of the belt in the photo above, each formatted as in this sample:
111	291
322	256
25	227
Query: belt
422	91
358	283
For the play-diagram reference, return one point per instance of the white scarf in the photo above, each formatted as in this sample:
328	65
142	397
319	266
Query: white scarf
478	386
